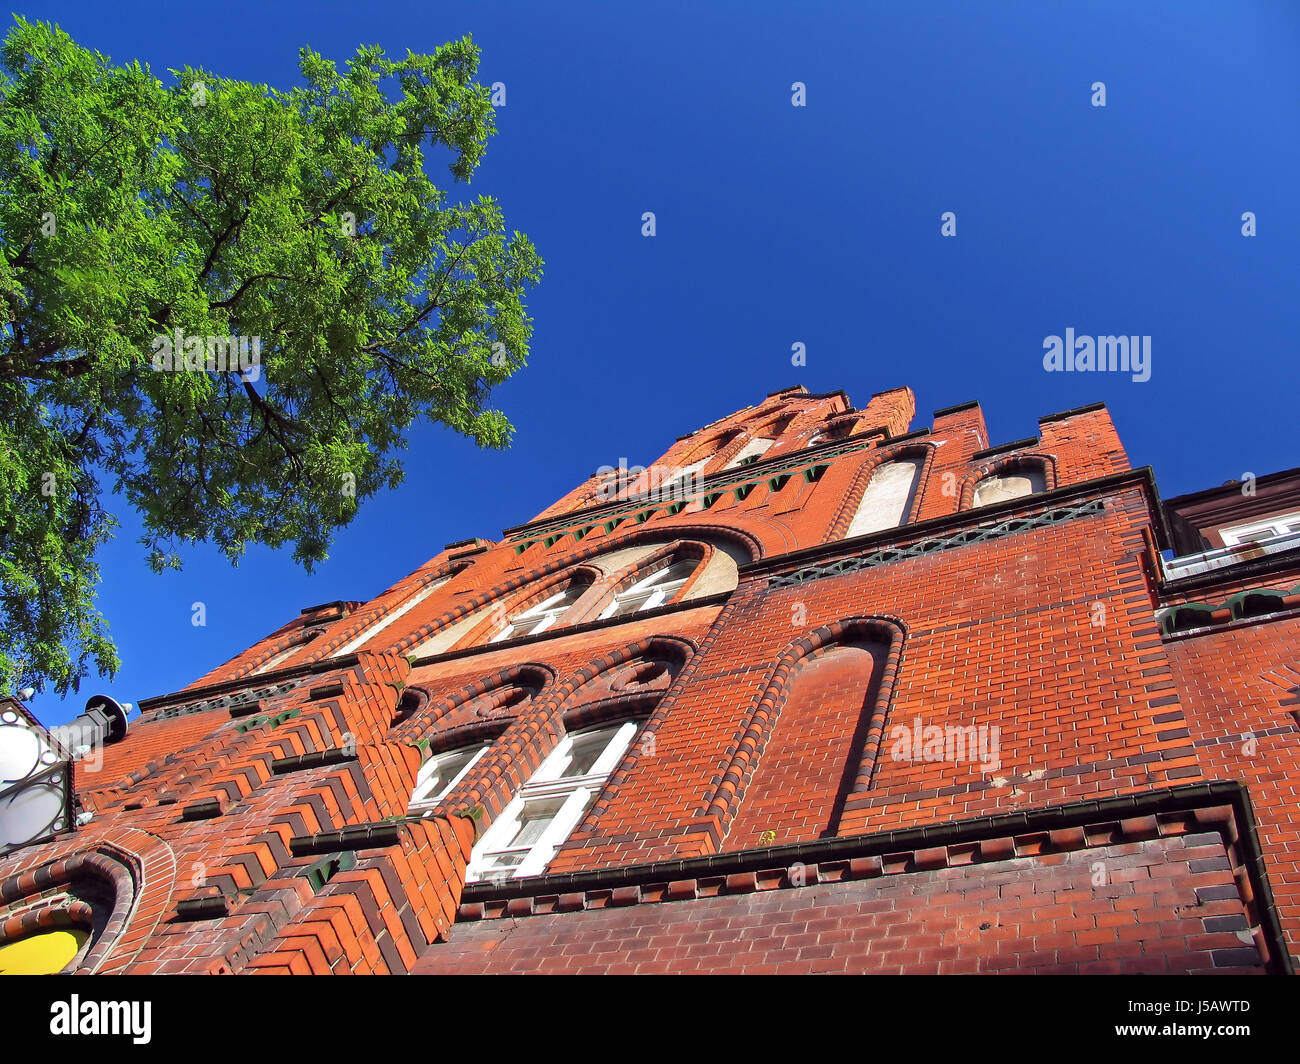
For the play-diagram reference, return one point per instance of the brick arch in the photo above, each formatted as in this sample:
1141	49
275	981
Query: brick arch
727	446
1046	464
741	435
745	540
712	446
535	734
780	422
725	441
858	486
608	696
363	619
531	594
529	675
737	537
416	699
720	810
138	869
300	637
679	549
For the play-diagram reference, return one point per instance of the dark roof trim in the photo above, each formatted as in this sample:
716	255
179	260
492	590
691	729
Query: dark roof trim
1180	501
1003	448
1090	408
336	604
914	434
956	409
473	541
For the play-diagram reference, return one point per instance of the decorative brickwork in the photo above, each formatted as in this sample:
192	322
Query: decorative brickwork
988	739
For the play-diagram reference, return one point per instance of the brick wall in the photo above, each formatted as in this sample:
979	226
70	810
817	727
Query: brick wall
783	713
1162	906
1241	699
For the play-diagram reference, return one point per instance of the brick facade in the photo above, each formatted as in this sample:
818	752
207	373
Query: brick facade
973	741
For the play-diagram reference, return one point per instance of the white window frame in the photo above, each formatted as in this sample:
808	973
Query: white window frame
659	593
549	610
429	778
1259	531
574	795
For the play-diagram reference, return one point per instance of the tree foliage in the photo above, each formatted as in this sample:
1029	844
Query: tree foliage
135	213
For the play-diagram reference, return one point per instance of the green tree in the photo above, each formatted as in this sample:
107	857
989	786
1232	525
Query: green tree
136	216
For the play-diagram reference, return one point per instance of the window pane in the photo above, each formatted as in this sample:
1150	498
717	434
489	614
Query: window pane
632	601
544	614
497	866
450	765
888	497
587	748
534	820
1013	486
654	590
438	773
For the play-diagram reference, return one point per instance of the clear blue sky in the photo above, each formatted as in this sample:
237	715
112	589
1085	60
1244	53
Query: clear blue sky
819	224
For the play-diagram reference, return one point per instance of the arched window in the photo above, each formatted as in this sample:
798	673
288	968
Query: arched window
374	629
687	479
654	590
833	431
1012	484
546	809
751	452
441	773
544	614
284	655
888	497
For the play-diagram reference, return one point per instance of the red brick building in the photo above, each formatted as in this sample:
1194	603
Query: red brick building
815	692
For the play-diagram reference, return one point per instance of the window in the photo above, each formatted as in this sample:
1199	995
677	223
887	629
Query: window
685	482
374	629
441	773
830	432
284	655
1258	531
751	452
543	615
888	497
524	838
1012	485
650	592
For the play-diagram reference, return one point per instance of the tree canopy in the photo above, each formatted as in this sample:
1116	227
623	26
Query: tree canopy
228	303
